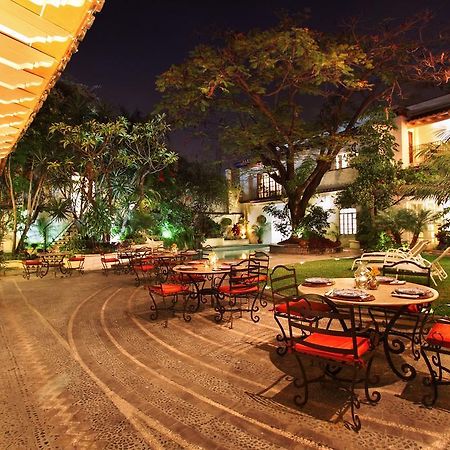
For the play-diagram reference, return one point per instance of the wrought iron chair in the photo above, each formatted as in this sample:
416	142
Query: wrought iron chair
262	259
413	327
76	263
169	290
110	263
239	291
143	268
437	342
284	286
32	266
340	345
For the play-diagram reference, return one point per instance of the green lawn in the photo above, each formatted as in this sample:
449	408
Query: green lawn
339	268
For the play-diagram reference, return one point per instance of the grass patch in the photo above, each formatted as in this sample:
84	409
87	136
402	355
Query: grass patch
341	268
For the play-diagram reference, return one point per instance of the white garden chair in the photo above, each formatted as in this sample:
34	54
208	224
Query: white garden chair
392	255
420	266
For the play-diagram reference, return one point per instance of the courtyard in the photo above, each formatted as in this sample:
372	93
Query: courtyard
83	366
224	227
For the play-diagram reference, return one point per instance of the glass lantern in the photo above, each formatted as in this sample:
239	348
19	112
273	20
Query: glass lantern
361	276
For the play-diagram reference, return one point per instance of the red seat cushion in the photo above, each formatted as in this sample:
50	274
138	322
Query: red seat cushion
76	258
334	342
258	279
238	290
439	335
110	260
144	267
168	289
31	262
297	306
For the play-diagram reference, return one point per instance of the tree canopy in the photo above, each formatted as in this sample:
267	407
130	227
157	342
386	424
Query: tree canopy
80	163
292	98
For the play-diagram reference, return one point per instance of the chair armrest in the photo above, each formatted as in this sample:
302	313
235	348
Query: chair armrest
407	262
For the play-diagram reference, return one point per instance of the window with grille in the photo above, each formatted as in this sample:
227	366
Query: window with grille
347	221
268	187
341	161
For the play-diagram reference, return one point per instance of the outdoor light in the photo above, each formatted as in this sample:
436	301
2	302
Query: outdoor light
166	233
213	258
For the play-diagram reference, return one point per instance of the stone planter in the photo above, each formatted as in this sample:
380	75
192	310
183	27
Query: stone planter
214	242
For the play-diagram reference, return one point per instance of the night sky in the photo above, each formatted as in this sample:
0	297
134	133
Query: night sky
132	42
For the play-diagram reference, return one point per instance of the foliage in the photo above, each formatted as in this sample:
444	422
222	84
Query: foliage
236	230
43	224
114	160
256	87
443	234
396	221
282	222
379	176
27	178
259	229
433	180
225	222
212	229
225	225
315	222
188	192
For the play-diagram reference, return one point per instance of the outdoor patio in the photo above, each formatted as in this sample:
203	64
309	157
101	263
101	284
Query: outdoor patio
84	367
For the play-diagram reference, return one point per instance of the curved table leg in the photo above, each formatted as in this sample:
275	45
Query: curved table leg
406	371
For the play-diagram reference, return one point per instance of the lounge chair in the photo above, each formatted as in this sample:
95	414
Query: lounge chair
392	255
419	266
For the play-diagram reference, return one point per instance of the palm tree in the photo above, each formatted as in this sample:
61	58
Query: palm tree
396	221
434	176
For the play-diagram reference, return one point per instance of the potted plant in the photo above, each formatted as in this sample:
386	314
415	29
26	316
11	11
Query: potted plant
259	228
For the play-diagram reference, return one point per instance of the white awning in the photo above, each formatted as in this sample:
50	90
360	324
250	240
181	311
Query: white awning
37	39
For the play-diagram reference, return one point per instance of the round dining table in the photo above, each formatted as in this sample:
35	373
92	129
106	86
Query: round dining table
394	306
205	279
380	297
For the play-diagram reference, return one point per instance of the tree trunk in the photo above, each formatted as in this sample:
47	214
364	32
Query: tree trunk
13	203
298	200
414	240
33	207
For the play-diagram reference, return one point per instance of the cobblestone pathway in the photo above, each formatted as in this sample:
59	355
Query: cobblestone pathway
83	367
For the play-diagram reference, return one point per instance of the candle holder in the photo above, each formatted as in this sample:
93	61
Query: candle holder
212	258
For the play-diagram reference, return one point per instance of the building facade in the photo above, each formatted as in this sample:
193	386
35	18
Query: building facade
417	126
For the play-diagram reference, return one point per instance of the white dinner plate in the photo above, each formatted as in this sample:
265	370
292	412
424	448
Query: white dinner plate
349	293
317	280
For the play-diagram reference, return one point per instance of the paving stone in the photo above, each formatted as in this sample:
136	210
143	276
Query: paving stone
84	367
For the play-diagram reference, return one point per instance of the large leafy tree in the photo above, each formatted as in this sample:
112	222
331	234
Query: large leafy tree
259	87
110	162
184	196
380	177
27	176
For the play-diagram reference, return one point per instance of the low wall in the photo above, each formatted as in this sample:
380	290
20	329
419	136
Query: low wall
221	242
293	249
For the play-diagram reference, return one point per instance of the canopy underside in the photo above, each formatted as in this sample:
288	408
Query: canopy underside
37	39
